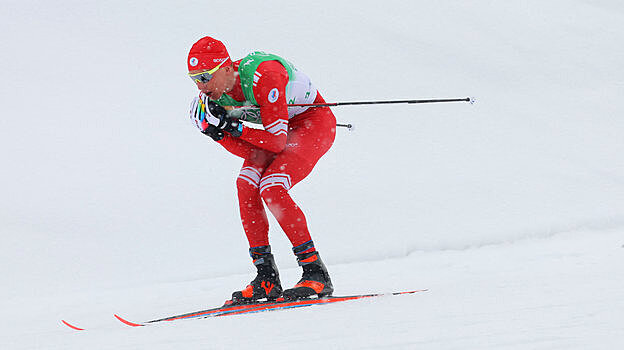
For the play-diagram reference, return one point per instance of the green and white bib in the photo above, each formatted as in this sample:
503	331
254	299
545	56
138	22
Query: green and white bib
299	89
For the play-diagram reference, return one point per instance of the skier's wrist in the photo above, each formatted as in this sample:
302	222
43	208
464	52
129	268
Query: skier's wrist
213	132
233	126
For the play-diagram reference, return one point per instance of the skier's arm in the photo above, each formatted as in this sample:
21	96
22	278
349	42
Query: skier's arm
236	146
270	93
210	119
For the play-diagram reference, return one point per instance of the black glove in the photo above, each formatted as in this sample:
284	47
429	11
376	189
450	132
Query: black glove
212	119
225	123
212	131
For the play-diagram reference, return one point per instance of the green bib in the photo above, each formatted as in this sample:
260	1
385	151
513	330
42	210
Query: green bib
246	71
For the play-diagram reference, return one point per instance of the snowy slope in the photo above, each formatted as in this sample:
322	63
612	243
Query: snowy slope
557	293
112	202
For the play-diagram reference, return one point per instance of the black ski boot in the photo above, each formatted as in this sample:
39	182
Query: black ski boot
315	279
266	285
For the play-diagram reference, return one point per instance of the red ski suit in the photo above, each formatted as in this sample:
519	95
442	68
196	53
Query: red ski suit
278	157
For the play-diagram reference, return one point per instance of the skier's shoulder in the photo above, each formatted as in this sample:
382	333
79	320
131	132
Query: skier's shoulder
256	57
263	63
272	70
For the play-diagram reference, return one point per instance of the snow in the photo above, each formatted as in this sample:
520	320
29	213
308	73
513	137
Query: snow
510	211
557	292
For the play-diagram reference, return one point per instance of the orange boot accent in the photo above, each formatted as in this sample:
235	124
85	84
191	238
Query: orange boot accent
267	286
248	292
317	286
310	259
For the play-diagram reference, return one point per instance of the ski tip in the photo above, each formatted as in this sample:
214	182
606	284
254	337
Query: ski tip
132	324
72	326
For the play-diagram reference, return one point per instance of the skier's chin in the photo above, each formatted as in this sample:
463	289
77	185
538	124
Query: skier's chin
214	95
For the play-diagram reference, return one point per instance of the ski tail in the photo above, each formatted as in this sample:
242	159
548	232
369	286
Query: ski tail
132	324
72	326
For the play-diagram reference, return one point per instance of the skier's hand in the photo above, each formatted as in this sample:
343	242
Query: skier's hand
200	118
218	116
205	112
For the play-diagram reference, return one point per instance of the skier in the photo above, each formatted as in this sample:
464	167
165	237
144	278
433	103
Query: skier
276	157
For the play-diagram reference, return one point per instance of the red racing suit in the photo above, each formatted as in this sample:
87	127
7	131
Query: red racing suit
278	157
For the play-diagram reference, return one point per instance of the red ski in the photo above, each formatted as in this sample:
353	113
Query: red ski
230	309
280	304
72	326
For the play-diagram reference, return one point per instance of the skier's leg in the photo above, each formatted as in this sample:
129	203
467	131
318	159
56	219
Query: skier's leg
308	140
310	135
252	213
282	174
253	216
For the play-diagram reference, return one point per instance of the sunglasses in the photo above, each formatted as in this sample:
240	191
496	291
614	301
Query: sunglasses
204	77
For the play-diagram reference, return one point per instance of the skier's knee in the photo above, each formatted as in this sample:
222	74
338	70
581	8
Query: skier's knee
274	183
248	176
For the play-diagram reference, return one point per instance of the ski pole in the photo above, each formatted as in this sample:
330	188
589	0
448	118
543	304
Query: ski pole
335	104
348	126
251	113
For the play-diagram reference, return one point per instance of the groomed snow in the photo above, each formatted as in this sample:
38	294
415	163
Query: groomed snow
558	292
510	211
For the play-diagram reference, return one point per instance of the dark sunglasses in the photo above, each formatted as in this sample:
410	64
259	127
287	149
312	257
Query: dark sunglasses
204	77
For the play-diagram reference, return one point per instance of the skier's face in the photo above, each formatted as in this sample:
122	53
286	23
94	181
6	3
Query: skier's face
222	81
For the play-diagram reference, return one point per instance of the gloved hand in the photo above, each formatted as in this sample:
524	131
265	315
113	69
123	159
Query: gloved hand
212	119
199	116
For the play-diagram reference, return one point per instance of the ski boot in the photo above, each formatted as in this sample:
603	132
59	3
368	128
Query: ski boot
266	285
315	279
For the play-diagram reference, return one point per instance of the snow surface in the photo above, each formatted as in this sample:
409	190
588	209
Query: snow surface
510	211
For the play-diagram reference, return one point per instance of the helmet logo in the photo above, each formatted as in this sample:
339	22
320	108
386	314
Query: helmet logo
193	61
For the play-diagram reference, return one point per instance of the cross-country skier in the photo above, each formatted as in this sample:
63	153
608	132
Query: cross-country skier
276	157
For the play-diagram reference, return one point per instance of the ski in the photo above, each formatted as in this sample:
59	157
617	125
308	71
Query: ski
279	304
237	309
72	326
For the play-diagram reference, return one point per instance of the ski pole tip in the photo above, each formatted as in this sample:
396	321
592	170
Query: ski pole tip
472	100
348	126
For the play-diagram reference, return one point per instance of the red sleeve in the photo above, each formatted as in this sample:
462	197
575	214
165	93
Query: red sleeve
236	146
270	94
